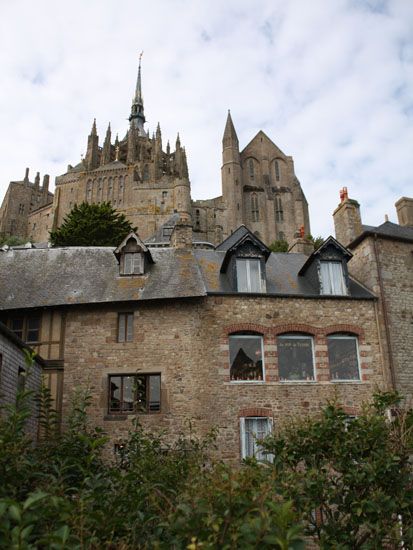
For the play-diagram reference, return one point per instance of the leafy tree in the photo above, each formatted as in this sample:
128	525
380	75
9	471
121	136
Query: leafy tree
279	246
351	481
92	225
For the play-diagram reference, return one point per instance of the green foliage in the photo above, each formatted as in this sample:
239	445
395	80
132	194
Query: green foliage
317	241
279	246
13	240
92	225
357	474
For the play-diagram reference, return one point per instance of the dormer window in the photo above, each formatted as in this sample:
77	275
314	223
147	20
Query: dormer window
332	278
133	256
133	263
249	275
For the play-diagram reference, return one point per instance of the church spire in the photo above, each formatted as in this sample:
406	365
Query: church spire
137	116
230	135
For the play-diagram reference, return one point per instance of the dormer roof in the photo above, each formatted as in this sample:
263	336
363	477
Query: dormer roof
140	247
323	251
241	236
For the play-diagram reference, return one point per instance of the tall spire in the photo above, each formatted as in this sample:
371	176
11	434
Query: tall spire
137	116
230	135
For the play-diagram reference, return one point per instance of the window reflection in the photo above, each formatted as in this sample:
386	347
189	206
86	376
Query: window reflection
246	358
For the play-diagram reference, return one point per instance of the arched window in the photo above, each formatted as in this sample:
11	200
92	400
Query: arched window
277	170
255	213
145	172
295	357
110	189
281	236
251	168
279	214
89	191
343	357
246	356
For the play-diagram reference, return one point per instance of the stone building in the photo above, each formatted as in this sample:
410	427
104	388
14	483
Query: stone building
16	375
383	261
149	185
233	337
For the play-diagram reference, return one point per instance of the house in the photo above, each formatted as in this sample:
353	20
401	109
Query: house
233	336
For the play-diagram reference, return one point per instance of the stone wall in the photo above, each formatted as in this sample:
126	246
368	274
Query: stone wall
392	261
187	343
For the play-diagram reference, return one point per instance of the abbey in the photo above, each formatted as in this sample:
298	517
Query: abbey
150	185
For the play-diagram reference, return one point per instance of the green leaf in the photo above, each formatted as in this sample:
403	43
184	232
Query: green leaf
33	498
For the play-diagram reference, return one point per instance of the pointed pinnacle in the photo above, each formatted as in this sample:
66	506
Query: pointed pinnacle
94	132
229	131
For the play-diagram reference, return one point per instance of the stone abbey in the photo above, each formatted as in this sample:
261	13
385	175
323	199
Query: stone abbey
151	186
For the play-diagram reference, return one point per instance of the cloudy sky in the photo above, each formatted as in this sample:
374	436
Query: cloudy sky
330	81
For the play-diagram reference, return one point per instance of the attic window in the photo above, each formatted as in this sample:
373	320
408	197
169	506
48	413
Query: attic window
332	278
133	263
249	275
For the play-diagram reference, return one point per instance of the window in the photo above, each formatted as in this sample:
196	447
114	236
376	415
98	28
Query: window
26	328
343	357
253	430
125	327
332	278
279	214
21	380
246	358
277	170
249	275
251	168
295	357
255	213
132	263
134	393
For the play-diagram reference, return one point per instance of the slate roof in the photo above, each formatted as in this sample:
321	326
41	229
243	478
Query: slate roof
387	230
90	275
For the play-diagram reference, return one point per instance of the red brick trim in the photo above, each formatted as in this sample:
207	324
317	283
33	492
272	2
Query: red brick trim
344	328
246	327
254	412
297	327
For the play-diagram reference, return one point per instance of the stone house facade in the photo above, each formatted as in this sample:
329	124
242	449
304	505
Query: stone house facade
383	261
232	337
16	375
149	184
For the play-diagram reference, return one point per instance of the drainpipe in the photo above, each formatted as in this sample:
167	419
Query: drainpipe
385	314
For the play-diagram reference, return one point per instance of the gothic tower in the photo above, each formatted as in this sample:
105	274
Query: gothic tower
231	178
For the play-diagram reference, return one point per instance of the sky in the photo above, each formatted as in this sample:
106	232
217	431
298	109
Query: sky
329	81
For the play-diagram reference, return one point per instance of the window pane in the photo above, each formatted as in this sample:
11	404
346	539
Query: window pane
332	278
246	358
141	390
295	358
248	275
129	327
255	430
121	327
138	263
128	264
343	358
154	393
114	393
17	327
128	393
33	329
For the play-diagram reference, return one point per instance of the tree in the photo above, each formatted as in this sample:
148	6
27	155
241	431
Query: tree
279	246
317	241
350	479
92	225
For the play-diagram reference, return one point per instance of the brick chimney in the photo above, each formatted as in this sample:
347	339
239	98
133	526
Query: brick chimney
347	219
404	207
182	233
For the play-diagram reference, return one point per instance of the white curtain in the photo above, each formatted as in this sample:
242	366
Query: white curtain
332	279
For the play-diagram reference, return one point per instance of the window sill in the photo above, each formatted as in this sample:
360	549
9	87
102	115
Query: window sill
347	381
236	382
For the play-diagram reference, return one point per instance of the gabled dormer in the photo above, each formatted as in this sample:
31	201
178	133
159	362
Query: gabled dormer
327	267
133	256
244	261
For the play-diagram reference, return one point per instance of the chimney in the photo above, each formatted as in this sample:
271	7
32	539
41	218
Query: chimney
347	219
45	187
301	245
404	207
182	233
37	180
26	176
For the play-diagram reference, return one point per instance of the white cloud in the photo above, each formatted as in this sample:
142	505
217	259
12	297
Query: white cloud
330	82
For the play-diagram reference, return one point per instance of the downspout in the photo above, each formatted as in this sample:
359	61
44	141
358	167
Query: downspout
385	315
